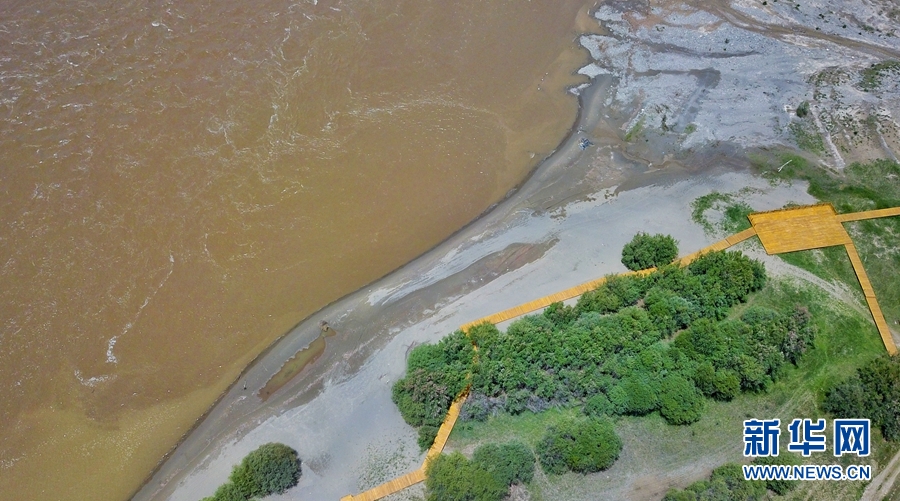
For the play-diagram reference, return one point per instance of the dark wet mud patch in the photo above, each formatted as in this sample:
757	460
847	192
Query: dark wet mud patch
297	363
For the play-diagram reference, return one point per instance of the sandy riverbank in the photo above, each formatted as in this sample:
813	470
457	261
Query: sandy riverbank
350	434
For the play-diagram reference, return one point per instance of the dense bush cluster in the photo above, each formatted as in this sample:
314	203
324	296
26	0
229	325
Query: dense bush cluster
649	251
435	375
270	469
611	351
727	484
486	477
584	446
873	393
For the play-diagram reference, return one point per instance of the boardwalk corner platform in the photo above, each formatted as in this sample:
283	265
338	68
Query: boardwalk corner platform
784	230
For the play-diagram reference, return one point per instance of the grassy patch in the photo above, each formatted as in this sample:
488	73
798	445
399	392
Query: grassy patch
529	427
807	138
690	128
830	263
870	78
730	213
875	185
736	217
635	130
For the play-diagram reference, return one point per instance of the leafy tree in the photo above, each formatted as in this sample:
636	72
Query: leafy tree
584	446
509	463
648	251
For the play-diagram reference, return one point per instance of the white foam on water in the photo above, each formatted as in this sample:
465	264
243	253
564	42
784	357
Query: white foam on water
110	358
92	381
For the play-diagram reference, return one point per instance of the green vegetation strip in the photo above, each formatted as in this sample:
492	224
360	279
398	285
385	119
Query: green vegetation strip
610	356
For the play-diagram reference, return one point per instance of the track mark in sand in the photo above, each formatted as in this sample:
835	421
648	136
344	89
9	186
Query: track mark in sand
881	484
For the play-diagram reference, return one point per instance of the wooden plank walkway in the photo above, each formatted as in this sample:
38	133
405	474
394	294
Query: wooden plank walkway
869	214
785	230
416	476
869	292
799	228
537	304
446	427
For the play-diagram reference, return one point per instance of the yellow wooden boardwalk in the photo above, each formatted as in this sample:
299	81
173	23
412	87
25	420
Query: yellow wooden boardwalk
799	228
869	293
416	476
785	230
869	214
815	226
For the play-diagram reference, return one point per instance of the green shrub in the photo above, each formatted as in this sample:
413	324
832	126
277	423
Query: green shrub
732	475
560	314
230	492
736	219
599	405
616	293
680	401
584	446
873	393
509	463
803	109
648	251
427	434
780	487
728	385
435	376
643	394
454	478
270	469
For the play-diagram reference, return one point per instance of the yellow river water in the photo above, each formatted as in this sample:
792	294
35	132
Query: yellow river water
181	182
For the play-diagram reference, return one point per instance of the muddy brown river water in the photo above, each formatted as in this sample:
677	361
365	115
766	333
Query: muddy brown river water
181	182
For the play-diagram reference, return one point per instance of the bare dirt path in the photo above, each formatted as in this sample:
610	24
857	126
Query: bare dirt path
882	483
